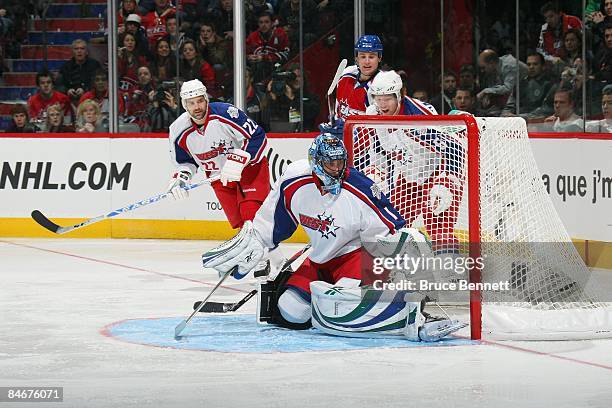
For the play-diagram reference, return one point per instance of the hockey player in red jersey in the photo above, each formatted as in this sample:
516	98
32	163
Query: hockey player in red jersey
352	92
421	169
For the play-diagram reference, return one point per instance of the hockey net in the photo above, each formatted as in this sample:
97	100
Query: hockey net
473	186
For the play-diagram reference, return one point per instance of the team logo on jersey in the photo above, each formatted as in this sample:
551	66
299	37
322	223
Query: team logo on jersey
233	112
345	110
216	149
323	224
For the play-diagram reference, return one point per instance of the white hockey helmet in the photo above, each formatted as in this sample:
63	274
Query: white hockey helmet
386	83
192	89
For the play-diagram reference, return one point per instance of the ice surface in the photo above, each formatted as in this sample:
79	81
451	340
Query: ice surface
240	333
58	296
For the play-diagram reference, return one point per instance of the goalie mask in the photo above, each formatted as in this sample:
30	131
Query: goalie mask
193	89
327	157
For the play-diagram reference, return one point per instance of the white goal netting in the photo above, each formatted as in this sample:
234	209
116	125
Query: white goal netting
464	183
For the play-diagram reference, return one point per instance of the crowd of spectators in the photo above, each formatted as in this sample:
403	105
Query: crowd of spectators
156	52
552	79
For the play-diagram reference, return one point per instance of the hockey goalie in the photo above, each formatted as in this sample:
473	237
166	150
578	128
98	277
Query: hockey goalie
343	216
420	168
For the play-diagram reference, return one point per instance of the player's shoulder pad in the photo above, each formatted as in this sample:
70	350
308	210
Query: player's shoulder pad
420	104
364	184
296	169
351	71
179	125
225	110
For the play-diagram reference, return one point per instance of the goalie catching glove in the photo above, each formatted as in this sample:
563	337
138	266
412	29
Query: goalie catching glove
178	182
405	241
245	250
232	169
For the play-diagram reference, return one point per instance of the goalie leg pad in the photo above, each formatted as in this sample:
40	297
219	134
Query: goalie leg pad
359	312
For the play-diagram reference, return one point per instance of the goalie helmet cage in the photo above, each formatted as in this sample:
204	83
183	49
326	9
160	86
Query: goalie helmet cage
499	208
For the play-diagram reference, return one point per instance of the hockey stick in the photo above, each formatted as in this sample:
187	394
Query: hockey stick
332	88
45	222
181	326
219	307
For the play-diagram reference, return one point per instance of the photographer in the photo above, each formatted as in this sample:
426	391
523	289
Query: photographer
164	109
283	102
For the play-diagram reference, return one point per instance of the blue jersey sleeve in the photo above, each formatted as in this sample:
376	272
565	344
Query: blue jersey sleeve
247	131
369	193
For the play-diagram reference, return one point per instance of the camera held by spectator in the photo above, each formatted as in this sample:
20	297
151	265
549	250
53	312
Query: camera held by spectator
280	80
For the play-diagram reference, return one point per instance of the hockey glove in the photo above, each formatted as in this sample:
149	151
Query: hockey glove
244	250
441	194
236	161
378	176
179	180
405	241
336	129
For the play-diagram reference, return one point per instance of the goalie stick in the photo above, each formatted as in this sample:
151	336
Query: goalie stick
182	325
332	87
45	222
219	307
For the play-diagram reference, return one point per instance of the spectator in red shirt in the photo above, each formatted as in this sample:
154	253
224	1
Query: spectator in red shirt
99	93
127	7
128	61
46	95
551	35
266	47
143	93
155	21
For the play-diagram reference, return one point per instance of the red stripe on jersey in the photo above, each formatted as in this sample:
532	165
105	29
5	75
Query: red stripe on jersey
182	139
370	204
290	191
259	155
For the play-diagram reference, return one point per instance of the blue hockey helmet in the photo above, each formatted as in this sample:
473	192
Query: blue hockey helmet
369	43
324	149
